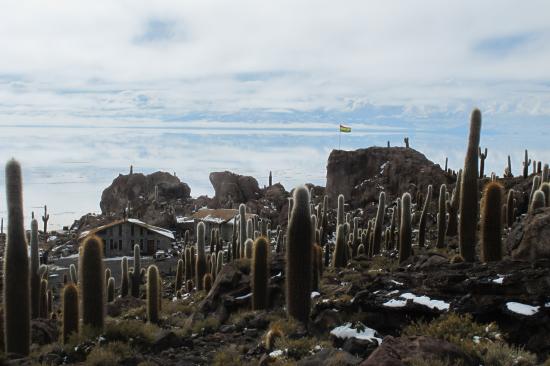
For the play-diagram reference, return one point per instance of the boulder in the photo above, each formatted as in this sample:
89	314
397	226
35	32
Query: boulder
231	188
44	331
330	356
396	351
362	174
529	239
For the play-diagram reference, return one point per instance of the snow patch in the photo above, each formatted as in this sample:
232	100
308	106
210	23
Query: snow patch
315	294
426	301
393	303
244	296
522	309
397	283
276	353
346	331
499	279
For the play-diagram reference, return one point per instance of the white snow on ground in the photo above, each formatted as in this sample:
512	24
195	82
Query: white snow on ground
276	353
522	309
426	301
499	279
547	305
397	283
393	303
244	296
393	292
314	294
346	331
280	274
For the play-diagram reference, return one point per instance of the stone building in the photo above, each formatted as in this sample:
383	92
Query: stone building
119	237
222	219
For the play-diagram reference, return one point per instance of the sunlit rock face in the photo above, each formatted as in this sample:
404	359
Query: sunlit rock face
362	174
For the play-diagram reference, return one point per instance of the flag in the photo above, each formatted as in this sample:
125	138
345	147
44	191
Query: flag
345	129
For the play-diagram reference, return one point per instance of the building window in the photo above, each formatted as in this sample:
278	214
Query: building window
120	230
132	229
111	244
120	244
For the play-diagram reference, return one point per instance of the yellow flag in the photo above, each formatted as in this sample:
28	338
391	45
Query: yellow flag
345	129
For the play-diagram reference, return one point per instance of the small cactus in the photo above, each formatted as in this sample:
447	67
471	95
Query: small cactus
539	201
379	223
482	157
34	276
260	274
92	283
73	274
491	223
248	248
179	276
136	280
545	188
219	262
453	206
200	264
242	229
442	217
298	257
424	218
339	256
111	289
43	297
188	264
107	275
70	312
124	285
153	294
207	282
405	229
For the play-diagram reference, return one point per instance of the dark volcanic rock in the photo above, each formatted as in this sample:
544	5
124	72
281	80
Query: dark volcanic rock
231	188
330	357
395	351
361	174
137	191
44	331
530	237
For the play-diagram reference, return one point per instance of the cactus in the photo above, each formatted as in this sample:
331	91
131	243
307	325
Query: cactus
298	257
545	173
43	299
49	306
317	266
340	211
193	260
405	229
339	256
491	223
111	289
213	265
136	280
92	283
526	163
107	275
124	285
153	294
453	206
442	217
178	283
200	263
207	282
534	187
446	164
188	264
189	285
424	217
260	274
45	219
545	188
361	249
539	201
73	274
70	312
508	169
17	312
539	169
378	224
469	193
406	141
248	248
510	207
33	274
219	262
242	229
270	179
482	157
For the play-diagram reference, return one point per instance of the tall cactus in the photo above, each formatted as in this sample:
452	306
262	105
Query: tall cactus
405	229
526	163
260	274
17	312
200	264
45	219
153	294
92	283
298	257
242	229
188	265
43	299
424	217
510	207
442	217
35	263
70	312
452	207
491	223
179	276
340	211
339	256
379	223
469	193
482	157
124	285
136	280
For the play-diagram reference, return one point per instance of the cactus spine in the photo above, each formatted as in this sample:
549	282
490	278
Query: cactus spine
469	192
379	223
17	312
124	285
491	223
92	283
153	294
34	276
200	264
70	311
424	217
260	274
298	257
405	229
136	279
442	217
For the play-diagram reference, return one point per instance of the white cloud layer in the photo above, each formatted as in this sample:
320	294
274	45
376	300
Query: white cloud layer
71	60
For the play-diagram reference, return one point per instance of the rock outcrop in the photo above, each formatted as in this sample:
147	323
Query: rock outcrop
136	192
360	175
529	239
231	188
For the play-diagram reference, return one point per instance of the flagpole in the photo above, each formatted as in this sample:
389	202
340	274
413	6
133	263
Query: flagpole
339	137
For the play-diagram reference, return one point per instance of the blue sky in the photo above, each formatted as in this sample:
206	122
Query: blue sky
88	88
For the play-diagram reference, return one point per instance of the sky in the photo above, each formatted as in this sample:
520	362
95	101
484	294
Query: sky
88	88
